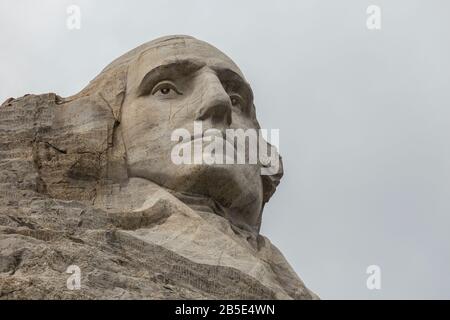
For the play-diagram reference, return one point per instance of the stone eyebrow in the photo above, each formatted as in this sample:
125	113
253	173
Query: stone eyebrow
168	71
234	82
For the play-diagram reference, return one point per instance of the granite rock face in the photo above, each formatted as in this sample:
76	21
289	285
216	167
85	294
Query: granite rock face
87	182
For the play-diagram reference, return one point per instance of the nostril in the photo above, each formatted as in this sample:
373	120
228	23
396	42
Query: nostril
217	110
215	101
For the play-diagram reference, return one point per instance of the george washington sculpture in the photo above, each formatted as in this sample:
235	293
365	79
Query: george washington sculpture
89	181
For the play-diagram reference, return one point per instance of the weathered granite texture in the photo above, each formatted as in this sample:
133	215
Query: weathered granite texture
87	181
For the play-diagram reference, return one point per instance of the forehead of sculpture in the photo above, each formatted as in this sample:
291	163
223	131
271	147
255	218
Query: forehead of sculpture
188	52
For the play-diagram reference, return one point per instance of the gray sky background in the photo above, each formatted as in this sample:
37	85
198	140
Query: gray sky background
364	118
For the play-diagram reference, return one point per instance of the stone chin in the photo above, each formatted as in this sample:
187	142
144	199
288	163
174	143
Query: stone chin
236	191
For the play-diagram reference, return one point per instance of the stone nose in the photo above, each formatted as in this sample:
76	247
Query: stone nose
216	104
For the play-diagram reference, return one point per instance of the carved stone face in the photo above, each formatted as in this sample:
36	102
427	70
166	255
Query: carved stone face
169	87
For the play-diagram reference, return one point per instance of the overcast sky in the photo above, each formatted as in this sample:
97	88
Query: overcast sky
364	118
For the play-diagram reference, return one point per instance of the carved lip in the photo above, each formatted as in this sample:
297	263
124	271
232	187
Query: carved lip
223	136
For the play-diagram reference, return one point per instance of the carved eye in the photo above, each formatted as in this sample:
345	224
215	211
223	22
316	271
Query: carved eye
236	99
165	88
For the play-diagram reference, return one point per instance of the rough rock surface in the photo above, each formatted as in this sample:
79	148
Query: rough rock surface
68	197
